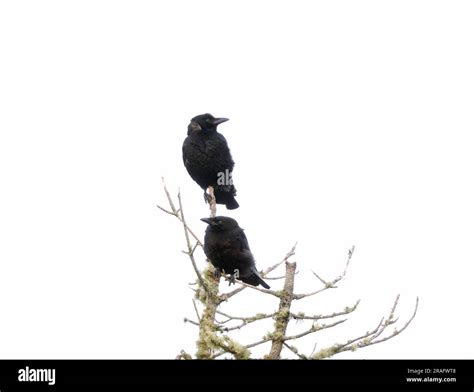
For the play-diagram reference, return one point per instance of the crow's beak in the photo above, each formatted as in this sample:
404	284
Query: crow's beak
208	221
219	120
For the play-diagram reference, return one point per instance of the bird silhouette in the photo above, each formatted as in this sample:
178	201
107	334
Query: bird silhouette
207	159
227	248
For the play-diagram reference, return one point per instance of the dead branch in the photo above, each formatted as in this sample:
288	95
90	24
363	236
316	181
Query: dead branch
283	315
294	350
258	316
347	310
190	252
196	310
314	328
186	320
244	320
176	212
277	277
331	284
370	337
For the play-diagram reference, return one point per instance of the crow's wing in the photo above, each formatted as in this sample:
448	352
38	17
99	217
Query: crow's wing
242	238
218	150
184	152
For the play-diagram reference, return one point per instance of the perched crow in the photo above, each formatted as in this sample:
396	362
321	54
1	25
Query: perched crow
207	159
226	246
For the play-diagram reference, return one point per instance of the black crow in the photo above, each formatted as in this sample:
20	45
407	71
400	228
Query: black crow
226	246
207	159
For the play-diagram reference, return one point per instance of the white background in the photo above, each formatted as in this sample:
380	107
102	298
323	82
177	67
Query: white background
350	123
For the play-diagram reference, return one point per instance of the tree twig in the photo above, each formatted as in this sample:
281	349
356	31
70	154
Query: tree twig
294	350
347	310
190	252
176	212
245	320
369	338
196	310
331	284
314	328
186	320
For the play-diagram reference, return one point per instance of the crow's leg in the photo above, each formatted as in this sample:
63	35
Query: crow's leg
231	279
207	198
217	273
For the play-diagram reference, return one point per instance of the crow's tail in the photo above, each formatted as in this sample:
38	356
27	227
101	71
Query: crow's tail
232	204
226	195
255	280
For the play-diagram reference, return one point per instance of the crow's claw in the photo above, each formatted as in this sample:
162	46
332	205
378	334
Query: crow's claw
217	273
207	198
231	279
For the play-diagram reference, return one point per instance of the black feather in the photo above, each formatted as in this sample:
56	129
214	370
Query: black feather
207	159
227	248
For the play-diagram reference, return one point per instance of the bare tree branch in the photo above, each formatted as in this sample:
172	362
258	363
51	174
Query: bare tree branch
347	310
245	320
331	284
165	210
176	212
369	338
320	279
190	252
277	277
258	316
196	310
168	196
186	320
397	332
294	350
314	328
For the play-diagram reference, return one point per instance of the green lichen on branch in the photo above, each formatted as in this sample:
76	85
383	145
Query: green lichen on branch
281	321
282	316
209	297
211	290
209	341
183	355
207	332
231	346
326	352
